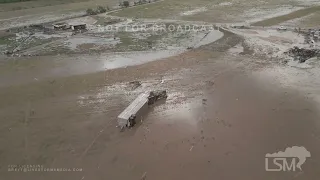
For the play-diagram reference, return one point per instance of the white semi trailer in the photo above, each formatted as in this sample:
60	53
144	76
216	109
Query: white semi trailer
135	110
138	107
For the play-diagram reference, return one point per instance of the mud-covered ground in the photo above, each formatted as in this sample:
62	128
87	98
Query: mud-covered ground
230	102
218	118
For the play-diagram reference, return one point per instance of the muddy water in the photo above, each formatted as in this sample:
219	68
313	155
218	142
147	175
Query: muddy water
210	127
61	66
131	59
231	131
74	42
224	133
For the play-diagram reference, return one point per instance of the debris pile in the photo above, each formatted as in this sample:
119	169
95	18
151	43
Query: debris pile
132	120
134	84
311	36
156	96
302	54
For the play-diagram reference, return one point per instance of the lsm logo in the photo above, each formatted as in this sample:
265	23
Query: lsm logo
289	160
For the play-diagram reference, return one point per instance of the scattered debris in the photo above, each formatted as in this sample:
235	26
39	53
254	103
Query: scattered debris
191	148
7	52
156	96
282	28
240	26
303	54
210	83
311	36
78	26
134	84
204	101
60	26
132	120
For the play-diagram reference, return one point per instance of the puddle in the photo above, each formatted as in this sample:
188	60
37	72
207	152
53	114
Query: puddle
137	58
193	39
180	112
209	38
192	12
74	42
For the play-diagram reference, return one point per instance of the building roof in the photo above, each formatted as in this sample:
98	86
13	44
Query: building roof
77	24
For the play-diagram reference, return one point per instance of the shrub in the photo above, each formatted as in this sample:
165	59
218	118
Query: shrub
126	3
101	9
90	11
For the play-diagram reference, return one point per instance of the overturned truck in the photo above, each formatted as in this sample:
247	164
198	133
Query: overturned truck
138	107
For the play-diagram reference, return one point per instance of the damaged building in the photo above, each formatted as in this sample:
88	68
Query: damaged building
78	26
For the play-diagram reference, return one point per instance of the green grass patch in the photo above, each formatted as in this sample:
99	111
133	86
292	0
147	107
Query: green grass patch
5	41
293	15
9	41
13	1
129	43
